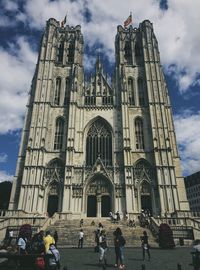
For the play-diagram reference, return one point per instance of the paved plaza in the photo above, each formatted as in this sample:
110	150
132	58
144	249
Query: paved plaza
87	259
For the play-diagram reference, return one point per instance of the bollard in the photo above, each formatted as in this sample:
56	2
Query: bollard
179	266
143	267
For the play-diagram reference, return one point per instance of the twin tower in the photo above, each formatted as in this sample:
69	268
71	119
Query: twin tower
91	147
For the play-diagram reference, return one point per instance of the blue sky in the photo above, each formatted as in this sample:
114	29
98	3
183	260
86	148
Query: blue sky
176	25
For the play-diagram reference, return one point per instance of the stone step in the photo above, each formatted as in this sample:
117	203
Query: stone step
68	232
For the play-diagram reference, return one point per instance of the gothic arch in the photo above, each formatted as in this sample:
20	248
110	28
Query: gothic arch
54	172
88	125
143	171
98	144
99	187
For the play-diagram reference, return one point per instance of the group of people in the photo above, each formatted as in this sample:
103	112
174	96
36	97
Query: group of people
41	244
114	217
102	246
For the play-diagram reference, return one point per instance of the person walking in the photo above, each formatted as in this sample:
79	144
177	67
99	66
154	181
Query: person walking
145	245
103	247
119	243
22	249
80	240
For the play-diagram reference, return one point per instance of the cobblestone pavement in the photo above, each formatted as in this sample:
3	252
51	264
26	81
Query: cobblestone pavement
87	259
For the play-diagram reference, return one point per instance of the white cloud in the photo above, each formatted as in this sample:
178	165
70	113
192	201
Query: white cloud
4	176
16	70
10	5
187	127
3	157
177	28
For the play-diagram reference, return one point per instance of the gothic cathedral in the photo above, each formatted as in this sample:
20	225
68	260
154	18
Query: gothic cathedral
93	146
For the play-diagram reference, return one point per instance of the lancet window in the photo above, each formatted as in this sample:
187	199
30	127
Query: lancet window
60	52
57	92
139	135
71	52
128	52
99	144
59	132
131	91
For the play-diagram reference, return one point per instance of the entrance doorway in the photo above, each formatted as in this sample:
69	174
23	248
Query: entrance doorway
146	203
52	205
105	205
146	197
92	206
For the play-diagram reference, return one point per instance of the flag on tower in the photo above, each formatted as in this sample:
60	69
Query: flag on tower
64	21
128	21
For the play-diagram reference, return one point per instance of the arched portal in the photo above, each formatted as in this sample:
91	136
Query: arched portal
52	206
146	203
53	182
99	196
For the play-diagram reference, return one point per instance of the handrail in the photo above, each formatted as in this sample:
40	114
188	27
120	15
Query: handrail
154	226
49	221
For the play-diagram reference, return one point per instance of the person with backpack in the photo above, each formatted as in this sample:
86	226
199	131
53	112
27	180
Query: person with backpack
119	243
48	240
103	247
53	258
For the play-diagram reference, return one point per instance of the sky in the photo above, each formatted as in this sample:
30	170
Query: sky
176	25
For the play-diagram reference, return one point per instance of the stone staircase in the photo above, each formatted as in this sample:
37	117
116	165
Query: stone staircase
68	231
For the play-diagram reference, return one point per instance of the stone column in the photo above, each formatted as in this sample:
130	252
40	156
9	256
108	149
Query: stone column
98	205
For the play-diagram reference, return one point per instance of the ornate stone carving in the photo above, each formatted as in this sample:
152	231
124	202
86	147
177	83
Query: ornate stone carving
54	172
143	171
77	191
99	186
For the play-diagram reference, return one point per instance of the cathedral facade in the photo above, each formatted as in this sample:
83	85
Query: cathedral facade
93	146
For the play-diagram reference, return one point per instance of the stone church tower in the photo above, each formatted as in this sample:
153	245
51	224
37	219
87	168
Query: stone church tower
91	147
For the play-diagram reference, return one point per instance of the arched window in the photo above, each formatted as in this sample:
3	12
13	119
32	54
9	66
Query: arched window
60	52
99	144
57	92
138	53
67	91
59	131
71	52
139	136
131	91
141	94
128	52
